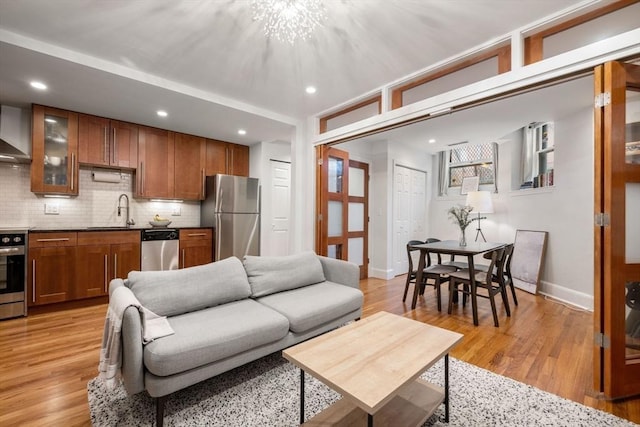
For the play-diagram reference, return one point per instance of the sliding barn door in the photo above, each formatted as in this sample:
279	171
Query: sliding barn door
617	230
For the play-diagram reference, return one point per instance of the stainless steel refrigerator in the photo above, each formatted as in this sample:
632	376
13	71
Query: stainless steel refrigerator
232	207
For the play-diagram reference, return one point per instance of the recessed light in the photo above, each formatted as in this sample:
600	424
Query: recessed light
162	113
431	141
38	85
242	132
310	89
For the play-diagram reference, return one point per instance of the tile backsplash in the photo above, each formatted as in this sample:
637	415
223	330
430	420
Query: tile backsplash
95	206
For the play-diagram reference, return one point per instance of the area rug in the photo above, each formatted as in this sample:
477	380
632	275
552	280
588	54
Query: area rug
265	393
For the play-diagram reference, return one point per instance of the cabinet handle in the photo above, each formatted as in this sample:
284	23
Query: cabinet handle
105	146
33	281
59	239
106	270
183	258
142	178
115	148
115	265
196	234
203	183
73	168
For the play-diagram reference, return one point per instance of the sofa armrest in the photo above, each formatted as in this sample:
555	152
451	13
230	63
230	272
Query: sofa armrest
132	349
342	272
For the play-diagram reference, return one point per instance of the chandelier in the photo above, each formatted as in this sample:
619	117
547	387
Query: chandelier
288	20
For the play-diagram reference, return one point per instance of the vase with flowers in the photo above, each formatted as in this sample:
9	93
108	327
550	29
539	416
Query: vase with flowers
460	216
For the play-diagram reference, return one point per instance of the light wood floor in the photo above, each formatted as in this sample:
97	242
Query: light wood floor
46	360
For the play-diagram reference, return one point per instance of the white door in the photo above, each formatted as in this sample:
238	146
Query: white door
409	213
280	208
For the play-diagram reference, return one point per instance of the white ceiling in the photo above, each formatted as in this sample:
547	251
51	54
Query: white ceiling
208	64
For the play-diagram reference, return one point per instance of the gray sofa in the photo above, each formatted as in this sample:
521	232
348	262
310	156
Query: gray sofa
228	313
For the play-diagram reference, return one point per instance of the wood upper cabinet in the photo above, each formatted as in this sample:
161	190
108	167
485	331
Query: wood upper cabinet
51	267
239	160
155	171
196	246
227	158
54	146
103	256
189	163
105	142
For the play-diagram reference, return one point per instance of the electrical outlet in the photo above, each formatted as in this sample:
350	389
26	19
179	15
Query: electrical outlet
176	211
51	209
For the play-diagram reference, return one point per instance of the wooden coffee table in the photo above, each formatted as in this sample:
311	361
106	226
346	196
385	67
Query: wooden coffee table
374	364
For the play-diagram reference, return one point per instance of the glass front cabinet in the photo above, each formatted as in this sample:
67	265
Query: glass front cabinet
54	168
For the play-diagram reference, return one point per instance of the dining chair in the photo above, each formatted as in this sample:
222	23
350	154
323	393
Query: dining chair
506	277
483	280
437	272
412	273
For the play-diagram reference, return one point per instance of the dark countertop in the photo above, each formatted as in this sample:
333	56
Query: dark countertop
107	228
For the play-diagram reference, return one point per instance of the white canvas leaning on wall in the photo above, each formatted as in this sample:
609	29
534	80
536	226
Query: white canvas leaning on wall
528	259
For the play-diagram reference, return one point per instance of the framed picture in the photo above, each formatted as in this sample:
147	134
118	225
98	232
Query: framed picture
469	183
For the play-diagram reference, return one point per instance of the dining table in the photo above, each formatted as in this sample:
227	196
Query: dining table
453	247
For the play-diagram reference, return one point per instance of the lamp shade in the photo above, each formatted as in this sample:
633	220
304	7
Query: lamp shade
480	201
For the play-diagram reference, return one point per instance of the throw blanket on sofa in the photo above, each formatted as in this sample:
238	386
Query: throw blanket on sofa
153	326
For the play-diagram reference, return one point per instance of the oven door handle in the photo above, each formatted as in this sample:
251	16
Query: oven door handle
12	251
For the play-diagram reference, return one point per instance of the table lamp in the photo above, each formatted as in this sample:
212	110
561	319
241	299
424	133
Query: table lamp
481	202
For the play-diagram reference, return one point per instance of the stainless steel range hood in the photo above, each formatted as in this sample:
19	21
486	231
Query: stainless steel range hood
15	135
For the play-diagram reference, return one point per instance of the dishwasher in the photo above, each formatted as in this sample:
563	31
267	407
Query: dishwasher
159	249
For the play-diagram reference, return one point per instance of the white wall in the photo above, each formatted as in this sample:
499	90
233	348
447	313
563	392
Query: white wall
564	211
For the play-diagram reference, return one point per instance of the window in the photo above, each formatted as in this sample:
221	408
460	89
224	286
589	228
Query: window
468	160
537	155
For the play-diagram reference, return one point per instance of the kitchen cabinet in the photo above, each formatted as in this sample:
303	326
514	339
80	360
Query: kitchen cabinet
54	150
238	160
196	246
155	171
51	267
108	143
103	256
189	167
227	158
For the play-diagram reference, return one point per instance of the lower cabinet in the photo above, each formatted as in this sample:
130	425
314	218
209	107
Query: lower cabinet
103	256
51	267
77	265
196	246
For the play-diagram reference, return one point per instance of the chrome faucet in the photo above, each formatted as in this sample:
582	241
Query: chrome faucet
129	220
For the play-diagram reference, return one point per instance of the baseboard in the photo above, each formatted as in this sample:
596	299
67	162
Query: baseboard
569	296
381	274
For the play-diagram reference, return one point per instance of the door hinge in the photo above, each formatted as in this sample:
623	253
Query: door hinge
320	161
319	217
602	99
602	219
602	340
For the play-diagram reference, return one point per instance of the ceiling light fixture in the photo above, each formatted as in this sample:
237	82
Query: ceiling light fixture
310	90
242	132
432	141
162	113
288	20
38	85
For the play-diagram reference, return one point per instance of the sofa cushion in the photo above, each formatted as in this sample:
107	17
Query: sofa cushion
212	334
268	275
172	292
311	306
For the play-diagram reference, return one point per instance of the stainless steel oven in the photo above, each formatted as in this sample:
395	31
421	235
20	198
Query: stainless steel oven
13	273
